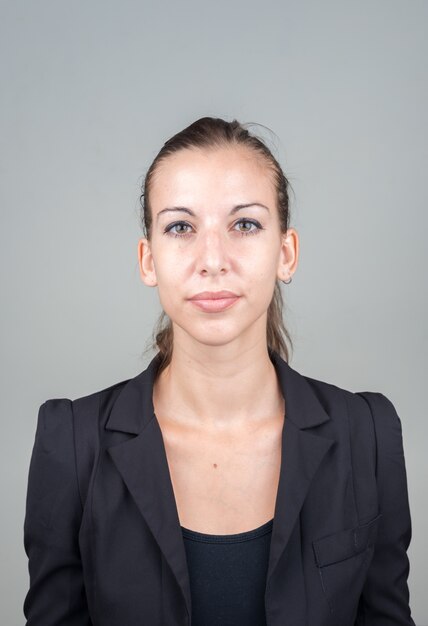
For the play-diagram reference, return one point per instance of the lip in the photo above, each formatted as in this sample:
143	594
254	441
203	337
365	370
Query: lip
214	301
214	295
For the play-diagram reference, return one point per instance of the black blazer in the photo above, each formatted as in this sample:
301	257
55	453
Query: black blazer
103	536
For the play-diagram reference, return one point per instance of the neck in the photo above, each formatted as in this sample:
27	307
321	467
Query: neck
220	389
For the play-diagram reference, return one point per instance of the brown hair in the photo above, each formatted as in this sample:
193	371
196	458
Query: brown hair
212	132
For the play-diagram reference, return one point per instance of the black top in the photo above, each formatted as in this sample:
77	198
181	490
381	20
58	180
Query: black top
228	576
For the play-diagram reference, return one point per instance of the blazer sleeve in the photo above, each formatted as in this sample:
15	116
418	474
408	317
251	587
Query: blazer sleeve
385	596
53	514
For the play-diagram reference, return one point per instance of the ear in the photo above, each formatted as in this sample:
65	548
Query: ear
289	254
146	263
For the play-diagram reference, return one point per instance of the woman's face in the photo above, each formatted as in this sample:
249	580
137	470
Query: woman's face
203	241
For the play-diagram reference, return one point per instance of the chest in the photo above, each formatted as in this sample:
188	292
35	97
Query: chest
224	483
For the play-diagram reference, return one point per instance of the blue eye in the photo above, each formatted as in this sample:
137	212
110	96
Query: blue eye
255	231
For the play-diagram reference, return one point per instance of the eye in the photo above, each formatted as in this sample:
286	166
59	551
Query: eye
258	228
168	229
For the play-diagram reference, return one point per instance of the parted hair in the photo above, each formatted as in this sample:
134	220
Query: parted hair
214	132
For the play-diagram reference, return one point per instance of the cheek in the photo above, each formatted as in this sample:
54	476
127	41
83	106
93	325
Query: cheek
260	271
260	284
169	267
171	283
168	298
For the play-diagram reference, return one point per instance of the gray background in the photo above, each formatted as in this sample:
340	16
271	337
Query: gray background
91	90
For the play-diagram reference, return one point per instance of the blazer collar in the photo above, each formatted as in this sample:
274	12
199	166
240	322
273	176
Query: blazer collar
134	408
142	462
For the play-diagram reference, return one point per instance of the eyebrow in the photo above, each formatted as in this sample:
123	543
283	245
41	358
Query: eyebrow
236	208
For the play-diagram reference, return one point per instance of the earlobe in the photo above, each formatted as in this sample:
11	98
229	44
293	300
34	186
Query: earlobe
145	262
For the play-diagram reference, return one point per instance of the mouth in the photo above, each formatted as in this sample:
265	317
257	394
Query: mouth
214	305
214	295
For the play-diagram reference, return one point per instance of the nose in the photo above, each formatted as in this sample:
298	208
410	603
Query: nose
213	254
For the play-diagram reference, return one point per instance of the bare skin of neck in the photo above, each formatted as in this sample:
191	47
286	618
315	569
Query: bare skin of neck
232	396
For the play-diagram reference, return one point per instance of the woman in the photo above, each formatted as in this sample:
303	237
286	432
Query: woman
219	485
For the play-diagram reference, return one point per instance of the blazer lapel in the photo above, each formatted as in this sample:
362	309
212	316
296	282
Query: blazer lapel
142	462
302	454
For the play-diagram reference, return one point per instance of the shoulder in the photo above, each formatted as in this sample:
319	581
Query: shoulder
68	440
365	415
99	401
374	402
337	401
69	424
369	425
369	417
64	409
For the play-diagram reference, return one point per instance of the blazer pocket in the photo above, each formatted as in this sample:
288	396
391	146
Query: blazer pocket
342	559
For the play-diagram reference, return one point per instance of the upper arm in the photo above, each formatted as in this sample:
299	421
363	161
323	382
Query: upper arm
385	597
53	513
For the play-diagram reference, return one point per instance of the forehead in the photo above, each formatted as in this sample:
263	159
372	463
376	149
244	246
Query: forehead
234	173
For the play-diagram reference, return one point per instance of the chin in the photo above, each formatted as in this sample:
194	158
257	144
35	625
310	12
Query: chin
211	332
